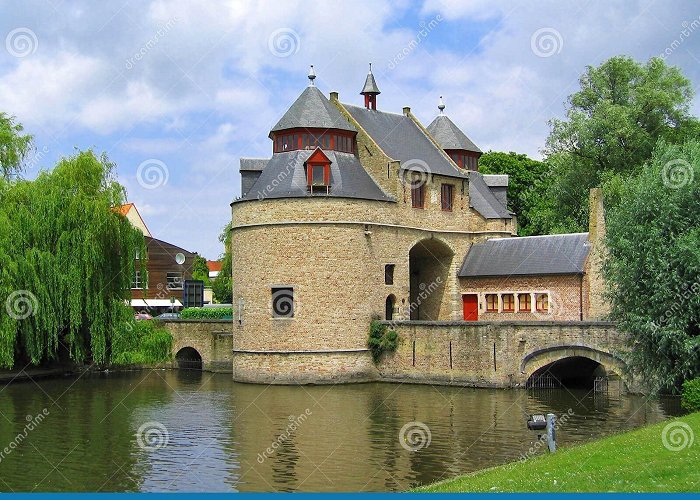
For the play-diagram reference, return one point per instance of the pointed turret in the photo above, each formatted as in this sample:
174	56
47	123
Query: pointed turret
370	90
455	142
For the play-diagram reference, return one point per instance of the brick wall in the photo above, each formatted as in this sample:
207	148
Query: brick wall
566	297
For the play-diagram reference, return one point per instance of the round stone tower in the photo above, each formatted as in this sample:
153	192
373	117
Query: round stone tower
358	214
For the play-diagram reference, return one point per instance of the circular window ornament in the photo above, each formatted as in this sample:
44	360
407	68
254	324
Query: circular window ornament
180	258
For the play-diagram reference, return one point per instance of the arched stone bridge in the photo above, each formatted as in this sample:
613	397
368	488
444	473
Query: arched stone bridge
206	344
503	354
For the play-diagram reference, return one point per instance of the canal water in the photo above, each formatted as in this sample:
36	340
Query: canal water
193	431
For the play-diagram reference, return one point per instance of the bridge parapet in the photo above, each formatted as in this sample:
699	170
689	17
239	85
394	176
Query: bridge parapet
211	338
496	353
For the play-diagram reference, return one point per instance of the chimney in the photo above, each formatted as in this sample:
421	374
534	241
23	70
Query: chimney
334	96
406	111
598	306
370	90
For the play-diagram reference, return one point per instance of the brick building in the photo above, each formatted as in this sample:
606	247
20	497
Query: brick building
362	213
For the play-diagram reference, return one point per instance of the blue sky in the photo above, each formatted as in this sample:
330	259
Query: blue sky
176	92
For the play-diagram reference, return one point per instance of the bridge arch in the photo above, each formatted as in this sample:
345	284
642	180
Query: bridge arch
188	358
572	365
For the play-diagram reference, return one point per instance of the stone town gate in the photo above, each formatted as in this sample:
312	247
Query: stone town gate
501	354
210	339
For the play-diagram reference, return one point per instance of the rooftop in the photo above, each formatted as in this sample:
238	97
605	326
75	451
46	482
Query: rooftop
531	255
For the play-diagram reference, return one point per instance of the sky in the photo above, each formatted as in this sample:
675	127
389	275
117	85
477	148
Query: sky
176	92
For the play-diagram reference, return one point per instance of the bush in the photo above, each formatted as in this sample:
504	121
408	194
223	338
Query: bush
207	313
140	343
691	395
381	340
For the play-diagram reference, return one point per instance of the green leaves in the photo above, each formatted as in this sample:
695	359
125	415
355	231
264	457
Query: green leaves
14	146
207	313
653	267
381	340
611	128
66	246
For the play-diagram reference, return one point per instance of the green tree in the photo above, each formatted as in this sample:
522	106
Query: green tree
525	175
67	262
653	267
222	285
611	128
14	146
200	270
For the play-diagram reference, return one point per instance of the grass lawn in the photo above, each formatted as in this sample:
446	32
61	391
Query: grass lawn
633	461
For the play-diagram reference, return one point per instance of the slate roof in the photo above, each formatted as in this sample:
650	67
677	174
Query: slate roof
483	200
253	164
312	109
401	139
532	255
284	176
370	85
449	136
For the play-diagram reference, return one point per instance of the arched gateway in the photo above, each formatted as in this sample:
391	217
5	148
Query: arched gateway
429	262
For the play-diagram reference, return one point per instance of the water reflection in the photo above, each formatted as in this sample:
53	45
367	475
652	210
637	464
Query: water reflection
223	436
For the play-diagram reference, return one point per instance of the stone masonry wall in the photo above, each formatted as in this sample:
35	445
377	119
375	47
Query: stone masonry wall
211	338
494	354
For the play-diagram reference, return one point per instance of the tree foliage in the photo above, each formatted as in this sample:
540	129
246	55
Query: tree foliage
653	267
141	343
200	270
14	146
67	262
524	176
611	128
222	286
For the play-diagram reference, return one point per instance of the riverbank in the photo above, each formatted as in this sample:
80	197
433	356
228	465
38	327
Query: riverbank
663	457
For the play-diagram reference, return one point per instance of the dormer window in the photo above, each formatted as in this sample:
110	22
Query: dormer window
318	172
296	139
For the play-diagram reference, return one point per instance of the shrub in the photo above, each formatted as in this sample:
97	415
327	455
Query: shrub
381	340
691	395
141	342
207	313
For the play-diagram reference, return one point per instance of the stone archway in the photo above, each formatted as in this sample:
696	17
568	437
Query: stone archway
429	264
570	366
188	358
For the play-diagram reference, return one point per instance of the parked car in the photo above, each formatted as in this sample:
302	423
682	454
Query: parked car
168	316
139	316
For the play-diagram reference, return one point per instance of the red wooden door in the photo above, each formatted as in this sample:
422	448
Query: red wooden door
470	306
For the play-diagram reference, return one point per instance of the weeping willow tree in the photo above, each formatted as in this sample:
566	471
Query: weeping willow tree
66	262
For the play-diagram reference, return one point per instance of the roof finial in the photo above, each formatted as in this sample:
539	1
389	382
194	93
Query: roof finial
312	76
441	105
370	67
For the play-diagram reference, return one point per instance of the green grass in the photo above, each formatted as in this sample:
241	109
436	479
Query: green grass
635	461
